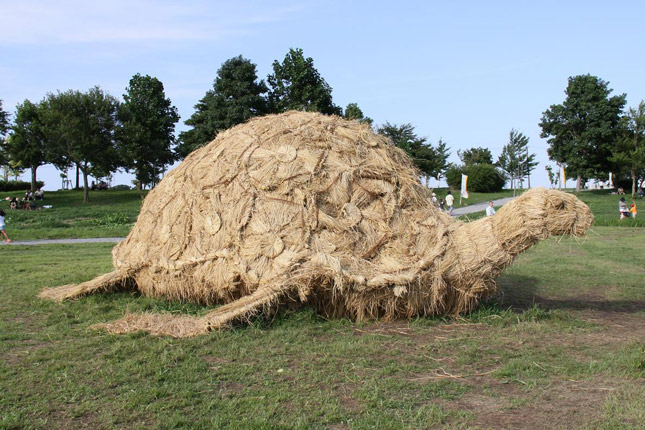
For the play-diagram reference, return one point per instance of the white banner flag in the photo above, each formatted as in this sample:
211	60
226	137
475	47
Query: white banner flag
464	186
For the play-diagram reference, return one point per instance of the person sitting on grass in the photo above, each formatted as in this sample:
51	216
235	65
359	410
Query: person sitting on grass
623	209
4	233
490	210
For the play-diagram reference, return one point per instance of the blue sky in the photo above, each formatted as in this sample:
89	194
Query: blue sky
463	71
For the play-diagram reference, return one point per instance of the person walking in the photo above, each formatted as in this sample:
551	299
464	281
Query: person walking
450	202
4	233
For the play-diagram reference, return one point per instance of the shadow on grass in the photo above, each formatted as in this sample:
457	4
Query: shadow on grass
520	293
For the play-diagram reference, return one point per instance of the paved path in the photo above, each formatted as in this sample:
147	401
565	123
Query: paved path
479	207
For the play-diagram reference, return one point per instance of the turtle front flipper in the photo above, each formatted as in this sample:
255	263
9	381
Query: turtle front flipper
188	326
114	281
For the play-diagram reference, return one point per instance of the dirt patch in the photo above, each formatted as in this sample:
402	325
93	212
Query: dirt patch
561	405
21	350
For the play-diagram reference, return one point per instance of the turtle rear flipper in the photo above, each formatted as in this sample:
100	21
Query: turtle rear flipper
189	326
114	281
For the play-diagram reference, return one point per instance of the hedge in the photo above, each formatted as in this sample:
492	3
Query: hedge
19	185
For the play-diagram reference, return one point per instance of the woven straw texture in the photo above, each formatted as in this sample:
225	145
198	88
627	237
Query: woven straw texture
308	208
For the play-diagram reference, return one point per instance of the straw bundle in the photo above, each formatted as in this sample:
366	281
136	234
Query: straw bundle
307	208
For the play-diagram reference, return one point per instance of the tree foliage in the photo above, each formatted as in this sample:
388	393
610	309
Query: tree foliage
237	96
475	156
296	84
4	127
80	130
4	121
482	177
27	144
515	160
431	161
146	136
353	112
629	151
582	130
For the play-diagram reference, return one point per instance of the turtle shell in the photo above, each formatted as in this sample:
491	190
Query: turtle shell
299	198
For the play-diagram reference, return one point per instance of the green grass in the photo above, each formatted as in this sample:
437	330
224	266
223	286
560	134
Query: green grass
563	338
108	214
604	206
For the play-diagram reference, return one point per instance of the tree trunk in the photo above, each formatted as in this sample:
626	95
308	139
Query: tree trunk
578	183
633	172
33	178
514	187
86	189
528	178
77	177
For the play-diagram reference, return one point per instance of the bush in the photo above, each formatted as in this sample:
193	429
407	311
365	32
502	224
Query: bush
453	176
19	185
120	187
482	178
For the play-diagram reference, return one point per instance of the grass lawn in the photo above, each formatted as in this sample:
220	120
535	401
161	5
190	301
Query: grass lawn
109	213
561	346
604	205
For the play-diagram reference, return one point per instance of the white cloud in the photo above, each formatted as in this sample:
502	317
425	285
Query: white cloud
71	21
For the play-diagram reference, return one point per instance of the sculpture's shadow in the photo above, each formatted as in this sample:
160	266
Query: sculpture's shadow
521	293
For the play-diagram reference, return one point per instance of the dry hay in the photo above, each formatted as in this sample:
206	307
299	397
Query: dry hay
307	208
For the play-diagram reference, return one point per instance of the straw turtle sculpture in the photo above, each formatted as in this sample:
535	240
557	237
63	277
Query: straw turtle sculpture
313	209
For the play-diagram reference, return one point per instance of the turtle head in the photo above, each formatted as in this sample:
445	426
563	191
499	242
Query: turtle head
566	214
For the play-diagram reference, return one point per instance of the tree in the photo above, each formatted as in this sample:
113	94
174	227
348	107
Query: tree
581	131
80	130
629	151
27	143
146	135
475	156
431	161
515	159
353	112
296	84
4	121
4	127
237	96
553	177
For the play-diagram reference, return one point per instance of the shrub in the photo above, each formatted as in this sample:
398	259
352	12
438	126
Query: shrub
482	178
19	185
